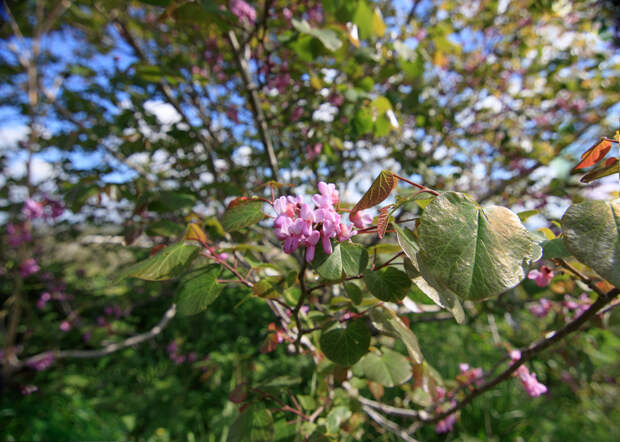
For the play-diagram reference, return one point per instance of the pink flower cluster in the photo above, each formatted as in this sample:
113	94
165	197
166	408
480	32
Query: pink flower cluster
244	12
469	375
579	306
18	234
298	224
542	277
47	209
28	267
529	381
42	363
541	308
173	353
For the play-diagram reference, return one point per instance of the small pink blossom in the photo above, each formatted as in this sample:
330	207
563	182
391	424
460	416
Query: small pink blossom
446	425
312	151
32	209
297	113
469	375
29	389
542	277
531	384
42	363
29	267
65	326
541	308
287	14
43	300
244	12
18	234
360	219
315	15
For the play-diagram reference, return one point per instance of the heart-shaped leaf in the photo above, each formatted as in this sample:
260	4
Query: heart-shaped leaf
380	190
592	234
166	264
443	297
242	212
354	258
328	266
408	243
387	322
389	284
254	424
199	290
388	368
477	253
345	346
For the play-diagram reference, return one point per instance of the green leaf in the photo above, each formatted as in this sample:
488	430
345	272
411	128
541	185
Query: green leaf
378	191
408	243
345	346
199	290
354	258
523	216
389	284
166	264
254	424
378	25
242	213
336	417
328	37
591	232
362	121
554	248
328	266
609	167
443	297
354	292
388	368
170	201
363	19
163	227
270	287
387	322
477	253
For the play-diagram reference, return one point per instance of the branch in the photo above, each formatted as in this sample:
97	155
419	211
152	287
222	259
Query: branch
261	122
529	352
388	424
108	349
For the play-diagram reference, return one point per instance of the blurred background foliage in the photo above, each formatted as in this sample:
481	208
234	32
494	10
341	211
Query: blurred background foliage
143	115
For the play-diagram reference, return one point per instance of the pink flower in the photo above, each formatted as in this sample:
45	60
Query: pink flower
65	326
244	12
28	267
469	375
18	234
531	384
360	219
446	425
43	300
345	233
315	14
287	14
232	114
541	308
313	151
542	277
56	208
29	389
329	190
43	362
297	113
32	209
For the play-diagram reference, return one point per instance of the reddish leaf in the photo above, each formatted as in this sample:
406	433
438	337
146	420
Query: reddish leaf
239	394
383	221
156	249
610	167
595	153
380	190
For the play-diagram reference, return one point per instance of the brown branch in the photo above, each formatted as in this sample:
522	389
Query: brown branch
108	349
257	111
385	423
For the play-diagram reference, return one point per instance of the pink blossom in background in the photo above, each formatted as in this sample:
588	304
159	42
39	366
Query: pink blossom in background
55	208
470	375
297	113
312	151
336	99
579	306
541	308
531	384
42	363
243	11
287	14
360	219
32	209
542	277
28	267
43	300
18	234
65	326
232	114
28	389
315	15
446	425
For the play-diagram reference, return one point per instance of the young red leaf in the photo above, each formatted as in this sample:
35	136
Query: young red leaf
195	233
380	190
595	153
610	167
383	221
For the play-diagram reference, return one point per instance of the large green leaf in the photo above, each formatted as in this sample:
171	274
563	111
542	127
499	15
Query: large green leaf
378	191
166	264
336	417
199	290
389	284
387	322
477	253
328	266
554	248
354	258
592	234
363	19
388	368
242	212
408	243
443	297
328	37
270	287
254	424
346	346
